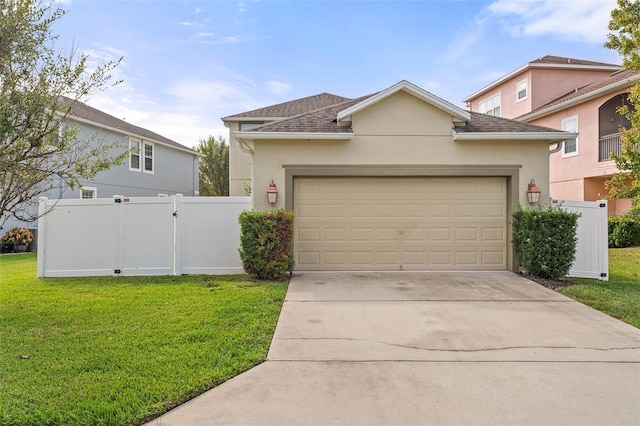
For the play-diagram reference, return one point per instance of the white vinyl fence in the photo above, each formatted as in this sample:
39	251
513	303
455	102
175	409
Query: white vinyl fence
592	251
140	236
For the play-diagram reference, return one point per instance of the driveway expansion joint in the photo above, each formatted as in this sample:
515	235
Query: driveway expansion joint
506	348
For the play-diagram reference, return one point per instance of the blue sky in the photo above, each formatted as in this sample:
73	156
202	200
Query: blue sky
188	63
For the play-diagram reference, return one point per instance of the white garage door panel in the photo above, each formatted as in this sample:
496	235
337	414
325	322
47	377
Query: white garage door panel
400	223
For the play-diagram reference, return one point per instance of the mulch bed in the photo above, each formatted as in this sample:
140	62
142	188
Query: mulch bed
549	283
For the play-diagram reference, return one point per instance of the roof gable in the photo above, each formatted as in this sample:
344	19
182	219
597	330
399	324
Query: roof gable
459	115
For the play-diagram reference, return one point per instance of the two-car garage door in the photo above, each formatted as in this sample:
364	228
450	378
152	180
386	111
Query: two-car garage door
400	223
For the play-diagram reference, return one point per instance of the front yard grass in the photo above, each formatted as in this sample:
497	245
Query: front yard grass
119	351
620	296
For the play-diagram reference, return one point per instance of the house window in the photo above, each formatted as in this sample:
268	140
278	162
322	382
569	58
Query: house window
134	154
148	157
87	193
491	106
570	147
250	125
522	90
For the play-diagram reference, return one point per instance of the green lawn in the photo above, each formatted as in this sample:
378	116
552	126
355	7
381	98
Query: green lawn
118	351
618	297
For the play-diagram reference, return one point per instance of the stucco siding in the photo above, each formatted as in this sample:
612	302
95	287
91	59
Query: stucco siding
272	156
549	84
585	164
402	114
239	164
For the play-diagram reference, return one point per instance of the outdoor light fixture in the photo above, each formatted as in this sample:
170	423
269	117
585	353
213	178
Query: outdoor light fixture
272	193
533	193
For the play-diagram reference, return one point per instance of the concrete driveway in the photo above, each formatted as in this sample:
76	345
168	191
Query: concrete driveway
431	348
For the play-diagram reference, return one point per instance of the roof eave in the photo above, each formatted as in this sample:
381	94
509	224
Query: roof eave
244	119
537	65
504	136
628	82
292	136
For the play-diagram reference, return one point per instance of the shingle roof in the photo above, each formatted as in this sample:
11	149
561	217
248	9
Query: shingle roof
483	123
85	112
559	60
324	120
616	77
292	108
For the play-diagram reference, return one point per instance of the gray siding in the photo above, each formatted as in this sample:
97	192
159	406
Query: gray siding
175	172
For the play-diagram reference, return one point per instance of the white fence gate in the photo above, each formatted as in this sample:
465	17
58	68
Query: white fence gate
592	251
140	236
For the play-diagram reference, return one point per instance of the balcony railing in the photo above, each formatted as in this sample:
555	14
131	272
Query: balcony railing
608	144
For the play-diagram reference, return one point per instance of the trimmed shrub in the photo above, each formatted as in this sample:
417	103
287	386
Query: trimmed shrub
545	240
624	231
266	243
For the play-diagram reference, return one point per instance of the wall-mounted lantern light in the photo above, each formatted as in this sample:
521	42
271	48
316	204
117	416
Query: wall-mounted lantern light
533	193
272	193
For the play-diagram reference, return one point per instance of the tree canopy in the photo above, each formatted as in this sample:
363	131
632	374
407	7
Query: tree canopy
625	39
214	166
39	88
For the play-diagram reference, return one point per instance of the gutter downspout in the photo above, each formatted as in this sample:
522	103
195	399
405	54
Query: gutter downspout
249	151
556	149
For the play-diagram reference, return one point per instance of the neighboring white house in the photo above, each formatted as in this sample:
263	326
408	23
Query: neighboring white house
156	165
397	180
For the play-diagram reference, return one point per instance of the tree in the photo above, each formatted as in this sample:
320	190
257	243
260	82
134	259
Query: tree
39	88
625	38
214	166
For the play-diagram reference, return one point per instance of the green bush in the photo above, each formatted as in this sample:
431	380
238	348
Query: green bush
624	231
266	243
545	240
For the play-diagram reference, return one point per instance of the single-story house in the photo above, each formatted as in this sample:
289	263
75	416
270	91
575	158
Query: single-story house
397	180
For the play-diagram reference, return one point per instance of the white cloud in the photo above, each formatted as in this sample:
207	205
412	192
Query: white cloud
576	20
208	92
464	40
278	87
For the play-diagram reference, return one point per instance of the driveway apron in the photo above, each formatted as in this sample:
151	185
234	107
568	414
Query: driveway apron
431	348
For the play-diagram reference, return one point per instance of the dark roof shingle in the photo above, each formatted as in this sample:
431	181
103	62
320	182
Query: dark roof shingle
559	60
322	120
483	123
292	108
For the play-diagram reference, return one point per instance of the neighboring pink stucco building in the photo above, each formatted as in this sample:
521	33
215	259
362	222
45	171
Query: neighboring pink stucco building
573	95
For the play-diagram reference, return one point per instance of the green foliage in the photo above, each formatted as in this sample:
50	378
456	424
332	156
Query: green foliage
39	89
214	167
618	297
122	350
545	240
266	243
624	230
625	35
17	236
625	38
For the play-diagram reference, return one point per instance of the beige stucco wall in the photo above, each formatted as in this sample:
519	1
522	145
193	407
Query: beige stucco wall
239	164
400	131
